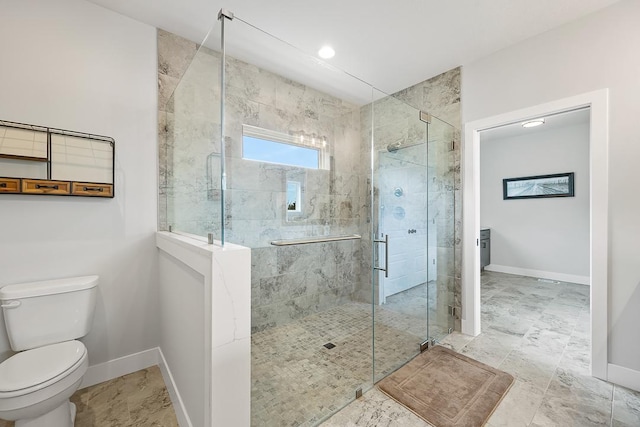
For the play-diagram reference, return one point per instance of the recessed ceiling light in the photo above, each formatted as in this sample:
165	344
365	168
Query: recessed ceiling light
326	52
533	123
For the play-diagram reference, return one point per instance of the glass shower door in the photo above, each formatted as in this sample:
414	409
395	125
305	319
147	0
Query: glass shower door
401	240
413	231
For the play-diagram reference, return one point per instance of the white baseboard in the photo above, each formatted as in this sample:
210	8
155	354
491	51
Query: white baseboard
178	404
561	277
468	330
623	376
118	367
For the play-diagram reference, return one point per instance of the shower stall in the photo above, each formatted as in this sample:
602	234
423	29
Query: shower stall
345	195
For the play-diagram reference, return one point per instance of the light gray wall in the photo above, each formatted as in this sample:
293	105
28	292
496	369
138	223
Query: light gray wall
598	51
73	65
550	234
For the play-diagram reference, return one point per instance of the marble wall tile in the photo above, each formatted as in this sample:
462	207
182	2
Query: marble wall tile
336	203
174	54
396	119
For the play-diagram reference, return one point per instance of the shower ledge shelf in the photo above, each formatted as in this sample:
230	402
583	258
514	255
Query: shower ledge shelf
319	239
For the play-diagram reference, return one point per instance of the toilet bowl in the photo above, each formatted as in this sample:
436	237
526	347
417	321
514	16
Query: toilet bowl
43	320
36	382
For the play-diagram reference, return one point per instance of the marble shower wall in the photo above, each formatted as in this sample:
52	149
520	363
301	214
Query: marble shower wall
335	201
440	96
290	282
396	119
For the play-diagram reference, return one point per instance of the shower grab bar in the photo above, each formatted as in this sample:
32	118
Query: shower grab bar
320	239
386	255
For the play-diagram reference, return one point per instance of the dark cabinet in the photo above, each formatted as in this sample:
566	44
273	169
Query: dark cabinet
485	248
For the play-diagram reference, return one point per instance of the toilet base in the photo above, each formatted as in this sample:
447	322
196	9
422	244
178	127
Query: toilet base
63	416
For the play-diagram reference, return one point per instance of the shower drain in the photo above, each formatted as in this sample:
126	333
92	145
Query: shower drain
329	345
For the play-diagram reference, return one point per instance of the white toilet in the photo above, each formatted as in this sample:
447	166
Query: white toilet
43	321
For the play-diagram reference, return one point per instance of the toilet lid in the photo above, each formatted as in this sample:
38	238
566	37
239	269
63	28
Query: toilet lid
32	367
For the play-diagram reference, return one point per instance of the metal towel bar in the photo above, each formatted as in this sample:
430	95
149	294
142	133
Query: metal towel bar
319	239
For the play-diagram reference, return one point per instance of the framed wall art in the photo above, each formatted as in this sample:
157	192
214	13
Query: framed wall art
532	187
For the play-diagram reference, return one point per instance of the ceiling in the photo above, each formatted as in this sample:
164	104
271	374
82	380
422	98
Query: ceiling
556	121
391	45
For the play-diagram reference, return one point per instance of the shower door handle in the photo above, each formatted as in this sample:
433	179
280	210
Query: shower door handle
386	255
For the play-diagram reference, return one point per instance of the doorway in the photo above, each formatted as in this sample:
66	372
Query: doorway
598	250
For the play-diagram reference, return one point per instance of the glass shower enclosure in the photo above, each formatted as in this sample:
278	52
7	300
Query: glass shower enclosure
342	192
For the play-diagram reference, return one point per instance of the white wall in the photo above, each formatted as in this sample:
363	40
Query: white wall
182	307
551	234
599	51
73	65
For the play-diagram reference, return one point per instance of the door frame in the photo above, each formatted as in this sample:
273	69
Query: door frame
598	206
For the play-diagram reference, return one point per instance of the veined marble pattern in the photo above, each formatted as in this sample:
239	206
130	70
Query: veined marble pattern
137	399
538	332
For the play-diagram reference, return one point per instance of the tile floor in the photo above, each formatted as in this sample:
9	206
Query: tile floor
137	399
296	381
538	332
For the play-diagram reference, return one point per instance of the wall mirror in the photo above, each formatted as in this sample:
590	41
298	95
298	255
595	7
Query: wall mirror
41	160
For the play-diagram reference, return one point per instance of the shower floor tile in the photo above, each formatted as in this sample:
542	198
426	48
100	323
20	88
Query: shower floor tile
297	381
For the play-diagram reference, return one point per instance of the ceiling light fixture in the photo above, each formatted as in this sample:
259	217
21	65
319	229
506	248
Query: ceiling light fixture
533	123
326	52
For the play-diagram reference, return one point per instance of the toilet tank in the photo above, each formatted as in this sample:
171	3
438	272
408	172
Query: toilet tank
48	312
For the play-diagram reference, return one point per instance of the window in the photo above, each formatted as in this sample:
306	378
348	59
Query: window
294	196
278	152
272	147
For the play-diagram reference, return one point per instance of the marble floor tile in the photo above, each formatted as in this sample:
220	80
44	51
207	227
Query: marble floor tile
583	387
556	323
137	399
535	371
554	412
375	409
456	340
539	332
518	407
298	380
626	407
491	347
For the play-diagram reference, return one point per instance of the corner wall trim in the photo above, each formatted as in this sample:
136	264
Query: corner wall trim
176	399
561	277
115	368
625	377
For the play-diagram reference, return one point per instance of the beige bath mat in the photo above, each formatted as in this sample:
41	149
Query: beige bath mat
448	389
